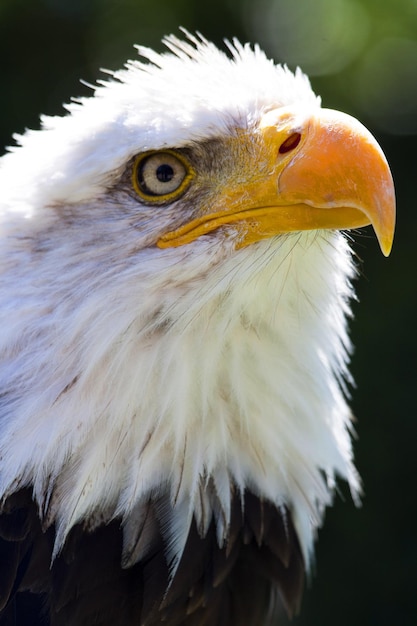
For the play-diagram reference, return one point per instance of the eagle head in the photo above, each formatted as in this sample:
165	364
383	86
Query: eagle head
174	293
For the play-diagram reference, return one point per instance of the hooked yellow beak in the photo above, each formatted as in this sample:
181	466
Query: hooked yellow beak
319	171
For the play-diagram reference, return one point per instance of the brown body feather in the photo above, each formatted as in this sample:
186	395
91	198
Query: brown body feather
241	584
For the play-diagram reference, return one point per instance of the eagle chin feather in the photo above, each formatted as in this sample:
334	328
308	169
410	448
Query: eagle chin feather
187	405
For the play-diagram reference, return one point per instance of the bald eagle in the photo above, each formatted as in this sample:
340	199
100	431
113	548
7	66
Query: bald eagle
174	293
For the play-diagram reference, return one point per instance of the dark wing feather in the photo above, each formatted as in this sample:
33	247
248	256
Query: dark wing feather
25	554
236	585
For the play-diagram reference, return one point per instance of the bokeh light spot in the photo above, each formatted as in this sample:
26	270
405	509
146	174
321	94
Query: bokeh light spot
385	85
322	37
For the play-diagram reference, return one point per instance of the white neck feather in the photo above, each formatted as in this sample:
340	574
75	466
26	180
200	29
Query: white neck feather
230	370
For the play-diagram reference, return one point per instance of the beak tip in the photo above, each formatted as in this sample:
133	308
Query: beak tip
385	244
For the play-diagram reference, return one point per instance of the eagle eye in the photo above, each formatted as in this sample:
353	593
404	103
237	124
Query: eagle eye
161	176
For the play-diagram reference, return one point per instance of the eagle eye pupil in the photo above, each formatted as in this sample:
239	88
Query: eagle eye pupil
164	173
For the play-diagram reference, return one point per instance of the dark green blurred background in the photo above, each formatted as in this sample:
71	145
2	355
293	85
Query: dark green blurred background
362	58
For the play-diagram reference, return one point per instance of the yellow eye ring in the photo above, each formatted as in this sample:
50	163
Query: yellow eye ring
160	176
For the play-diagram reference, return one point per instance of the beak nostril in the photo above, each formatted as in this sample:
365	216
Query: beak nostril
290	143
